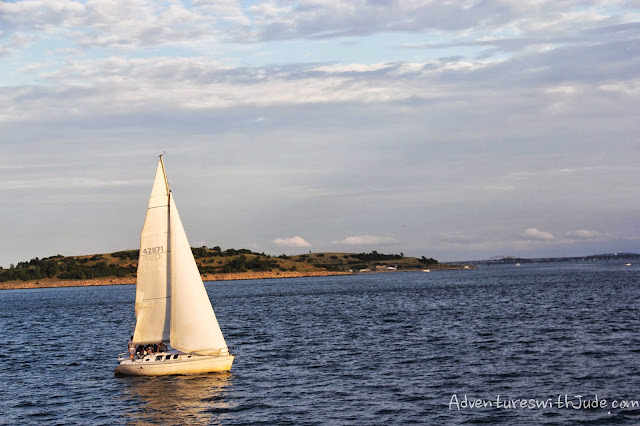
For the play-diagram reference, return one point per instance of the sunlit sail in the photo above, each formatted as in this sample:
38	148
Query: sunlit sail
172	305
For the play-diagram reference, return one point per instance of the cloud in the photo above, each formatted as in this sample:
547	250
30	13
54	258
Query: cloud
107	23
583	234
534	234
546	85
368	240
122	85
292	242
324	19
484	25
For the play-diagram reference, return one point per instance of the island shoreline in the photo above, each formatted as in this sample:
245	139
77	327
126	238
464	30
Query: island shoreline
232	276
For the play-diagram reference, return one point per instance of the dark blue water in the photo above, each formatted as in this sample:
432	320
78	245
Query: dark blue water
393	348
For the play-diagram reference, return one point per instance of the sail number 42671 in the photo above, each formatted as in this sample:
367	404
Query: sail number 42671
153	250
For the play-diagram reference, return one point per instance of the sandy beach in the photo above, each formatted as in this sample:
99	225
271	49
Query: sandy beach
206	277
48	283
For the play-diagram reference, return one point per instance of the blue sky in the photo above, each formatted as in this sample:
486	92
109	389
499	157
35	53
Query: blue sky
455	130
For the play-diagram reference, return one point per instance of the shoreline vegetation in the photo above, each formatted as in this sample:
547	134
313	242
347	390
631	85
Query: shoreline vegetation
119	268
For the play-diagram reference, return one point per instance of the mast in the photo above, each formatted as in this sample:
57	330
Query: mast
164	174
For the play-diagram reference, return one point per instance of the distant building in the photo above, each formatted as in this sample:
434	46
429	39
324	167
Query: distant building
386	268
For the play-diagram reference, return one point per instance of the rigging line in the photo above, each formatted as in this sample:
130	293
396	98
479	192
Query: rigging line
166	182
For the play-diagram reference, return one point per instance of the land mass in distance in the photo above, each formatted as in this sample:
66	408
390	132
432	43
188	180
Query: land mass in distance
590	258
213	263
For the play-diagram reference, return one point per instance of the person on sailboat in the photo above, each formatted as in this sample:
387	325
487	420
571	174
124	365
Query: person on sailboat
132	349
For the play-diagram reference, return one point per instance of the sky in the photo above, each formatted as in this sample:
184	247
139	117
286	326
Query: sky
457	130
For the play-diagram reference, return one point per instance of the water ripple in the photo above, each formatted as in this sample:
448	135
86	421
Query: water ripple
370	349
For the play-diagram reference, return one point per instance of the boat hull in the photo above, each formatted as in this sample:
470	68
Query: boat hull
195	364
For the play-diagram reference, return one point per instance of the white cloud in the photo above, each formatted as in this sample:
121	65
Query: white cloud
583	234
368	240
39	15
534	234
296	241
116	84
145	22
352	68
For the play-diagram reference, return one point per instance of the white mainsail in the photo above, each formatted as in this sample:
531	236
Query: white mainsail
153	290
172	304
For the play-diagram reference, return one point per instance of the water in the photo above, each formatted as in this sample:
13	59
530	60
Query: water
393	348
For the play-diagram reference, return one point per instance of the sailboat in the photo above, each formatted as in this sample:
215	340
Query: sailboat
172	306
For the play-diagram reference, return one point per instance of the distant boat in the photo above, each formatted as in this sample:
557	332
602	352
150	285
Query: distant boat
172	306
426	270
518	264
627	264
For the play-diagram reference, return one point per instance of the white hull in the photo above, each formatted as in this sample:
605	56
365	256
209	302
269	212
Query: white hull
158	365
